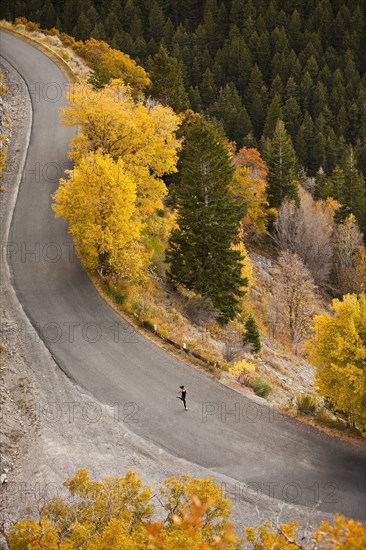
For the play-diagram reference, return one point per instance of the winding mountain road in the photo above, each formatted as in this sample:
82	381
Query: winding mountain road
102	353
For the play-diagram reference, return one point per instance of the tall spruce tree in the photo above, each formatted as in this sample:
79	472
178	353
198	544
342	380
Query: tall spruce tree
201	256
280	157
167	81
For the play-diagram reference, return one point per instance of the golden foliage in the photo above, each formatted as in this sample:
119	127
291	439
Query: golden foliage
338	349
116	64
250	158
244	365
142	135
343	535
249	184
116	513
98	201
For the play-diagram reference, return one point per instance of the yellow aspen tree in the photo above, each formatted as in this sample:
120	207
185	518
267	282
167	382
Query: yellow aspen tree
98	201
116	64
338	349
143	135
252	191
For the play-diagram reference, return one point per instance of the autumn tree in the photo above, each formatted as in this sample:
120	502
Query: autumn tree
347	241
293	299
98	515
201	255
359	281
307	230
143	135
98	201
117	513
249	185
280	158
109	64
338	350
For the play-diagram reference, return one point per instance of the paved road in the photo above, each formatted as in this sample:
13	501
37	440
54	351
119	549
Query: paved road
103	355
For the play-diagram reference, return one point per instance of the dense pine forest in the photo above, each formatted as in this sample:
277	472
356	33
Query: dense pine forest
245	62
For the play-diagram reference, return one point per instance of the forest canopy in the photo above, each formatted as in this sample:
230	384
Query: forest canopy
246	62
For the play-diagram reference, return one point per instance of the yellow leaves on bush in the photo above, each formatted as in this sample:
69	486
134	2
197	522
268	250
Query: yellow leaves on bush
338	349
343	535
98	201
116	513
198	510
243	365
31	535
185	532
116	64
268	537
142	135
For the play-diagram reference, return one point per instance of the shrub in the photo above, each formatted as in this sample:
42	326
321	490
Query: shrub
237	369
261	387
147	324
65	55
324	417
306	403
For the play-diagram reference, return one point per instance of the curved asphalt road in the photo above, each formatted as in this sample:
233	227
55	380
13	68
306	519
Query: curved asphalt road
255	446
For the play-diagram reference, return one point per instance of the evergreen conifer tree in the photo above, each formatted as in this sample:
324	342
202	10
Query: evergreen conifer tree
353	193
201	255
274	114
251	334
280	158
167	81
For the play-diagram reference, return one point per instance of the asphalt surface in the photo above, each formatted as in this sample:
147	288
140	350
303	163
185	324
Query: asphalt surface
104	355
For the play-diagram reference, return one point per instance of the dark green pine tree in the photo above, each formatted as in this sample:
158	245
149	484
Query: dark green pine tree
201	256
353	194
274	114
322	184
337	184
292	116
48	15
256	100
167	81
251	334
83	27
234	116
156	22
195	99
208	89
280	158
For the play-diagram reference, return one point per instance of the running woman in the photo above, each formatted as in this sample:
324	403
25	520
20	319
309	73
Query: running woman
182	396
